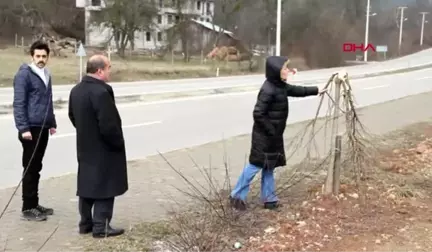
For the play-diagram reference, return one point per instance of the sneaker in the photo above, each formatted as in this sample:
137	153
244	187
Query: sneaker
45	210
33	215
238	204
272	205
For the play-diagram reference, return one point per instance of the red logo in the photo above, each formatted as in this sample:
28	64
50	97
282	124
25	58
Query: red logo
351	47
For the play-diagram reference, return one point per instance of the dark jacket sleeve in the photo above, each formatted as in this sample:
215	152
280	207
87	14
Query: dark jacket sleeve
20	101
51	107
260	112
301	91
108	120
70	111
54	121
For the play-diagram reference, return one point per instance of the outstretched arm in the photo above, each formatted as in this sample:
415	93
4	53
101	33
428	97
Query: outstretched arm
301	91
51	108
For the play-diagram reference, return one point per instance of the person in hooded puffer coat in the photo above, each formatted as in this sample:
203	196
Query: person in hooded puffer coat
270	115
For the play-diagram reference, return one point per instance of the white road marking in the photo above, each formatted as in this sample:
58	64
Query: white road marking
302	99
124	127
222	95
141	124
140	93
63	111
62	135
8	116
375	87
424	78
191	98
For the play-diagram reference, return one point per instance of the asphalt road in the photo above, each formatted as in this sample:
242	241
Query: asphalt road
147	87
173	124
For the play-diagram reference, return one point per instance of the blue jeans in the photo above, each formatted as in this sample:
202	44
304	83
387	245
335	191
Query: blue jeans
241	189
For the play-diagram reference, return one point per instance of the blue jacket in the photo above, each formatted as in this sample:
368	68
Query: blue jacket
32	104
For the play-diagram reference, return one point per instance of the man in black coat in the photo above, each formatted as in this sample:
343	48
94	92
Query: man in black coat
102	167
270	115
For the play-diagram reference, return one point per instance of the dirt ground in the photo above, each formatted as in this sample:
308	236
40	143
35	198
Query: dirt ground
396	214
65	70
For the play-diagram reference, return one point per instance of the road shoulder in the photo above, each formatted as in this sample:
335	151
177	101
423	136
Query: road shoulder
153	182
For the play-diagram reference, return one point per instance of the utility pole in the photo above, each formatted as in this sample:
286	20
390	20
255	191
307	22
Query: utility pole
422	27
278	27
365	57
401	8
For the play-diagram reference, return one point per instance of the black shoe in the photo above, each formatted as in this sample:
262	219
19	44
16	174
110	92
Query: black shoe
45	210
85	229
272	205
237	204
33	215
108	233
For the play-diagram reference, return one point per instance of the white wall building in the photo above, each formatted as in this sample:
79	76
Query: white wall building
203	10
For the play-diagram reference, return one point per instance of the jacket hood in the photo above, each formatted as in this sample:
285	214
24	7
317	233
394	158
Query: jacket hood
24	67
274	65
28	67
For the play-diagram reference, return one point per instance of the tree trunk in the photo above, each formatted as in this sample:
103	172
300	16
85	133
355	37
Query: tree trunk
122	40
131	39
116	33
184	42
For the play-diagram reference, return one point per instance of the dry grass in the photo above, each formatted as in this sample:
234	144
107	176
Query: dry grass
65	70
397	204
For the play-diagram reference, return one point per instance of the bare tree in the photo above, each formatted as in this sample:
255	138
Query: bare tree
125	18
41	16
225	15
182	24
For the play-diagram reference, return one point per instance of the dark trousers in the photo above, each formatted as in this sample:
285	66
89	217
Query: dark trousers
102	213
33	153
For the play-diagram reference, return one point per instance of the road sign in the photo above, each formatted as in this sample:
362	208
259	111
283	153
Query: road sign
381	48
81	51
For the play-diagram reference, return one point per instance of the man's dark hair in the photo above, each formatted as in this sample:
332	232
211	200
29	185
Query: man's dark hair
95	64
39	45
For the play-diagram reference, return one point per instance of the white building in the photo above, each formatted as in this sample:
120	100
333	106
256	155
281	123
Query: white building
202	10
